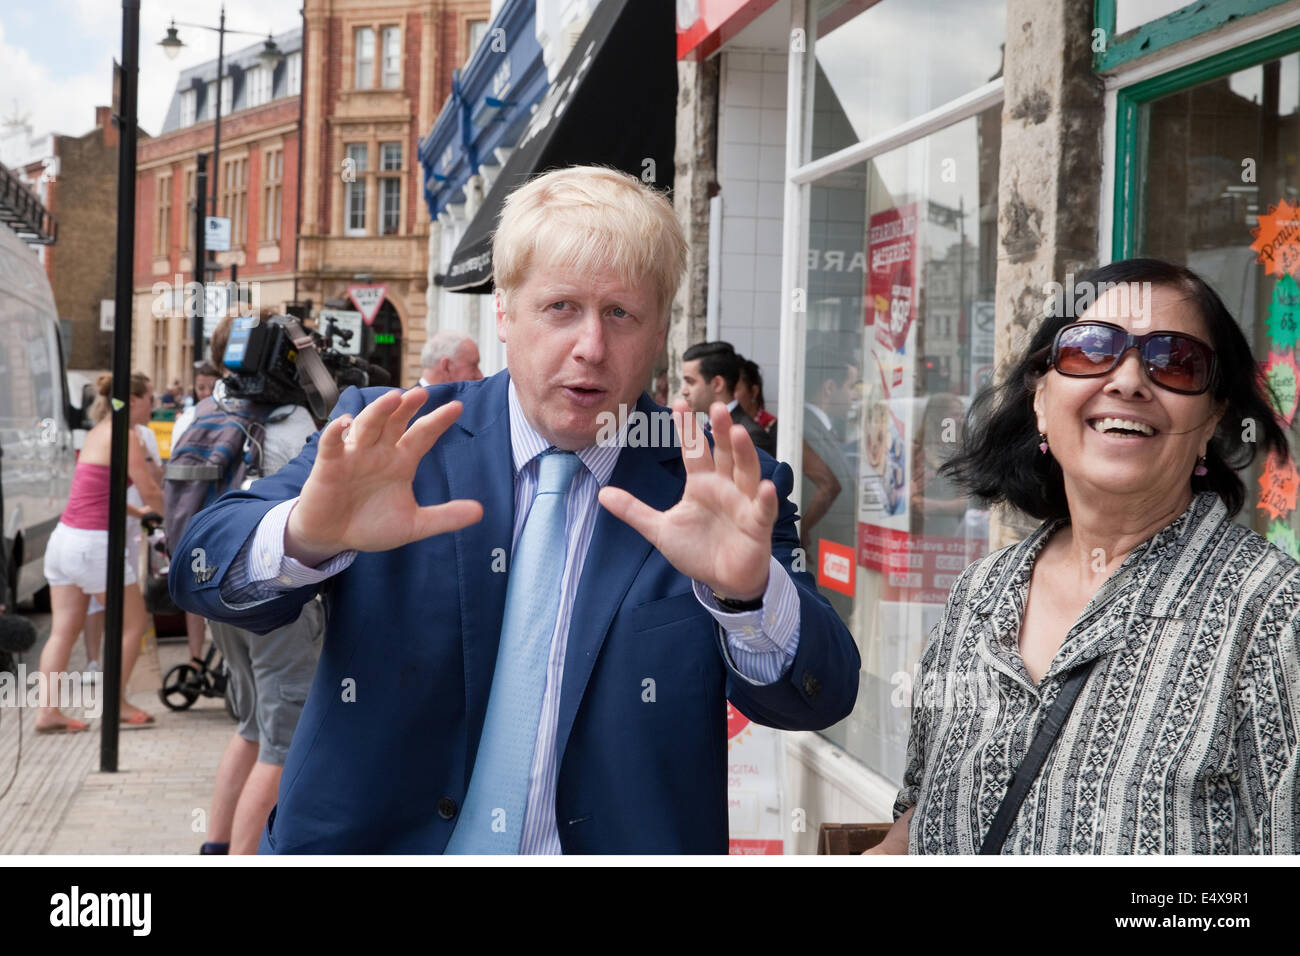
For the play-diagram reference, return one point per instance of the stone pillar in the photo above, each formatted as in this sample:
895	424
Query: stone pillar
694	183
1049	184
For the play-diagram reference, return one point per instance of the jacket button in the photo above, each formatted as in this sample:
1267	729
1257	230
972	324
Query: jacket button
447	808
811	686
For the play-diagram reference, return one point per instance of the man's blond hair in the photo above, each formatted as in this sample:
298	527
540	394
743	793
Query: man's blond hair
585	219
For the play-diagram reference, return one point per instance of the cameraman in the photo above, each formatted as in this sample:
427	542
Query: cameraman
270	673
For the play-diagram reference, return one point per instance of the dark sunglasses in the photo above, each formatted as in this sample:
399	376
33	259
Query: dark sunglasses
1174	361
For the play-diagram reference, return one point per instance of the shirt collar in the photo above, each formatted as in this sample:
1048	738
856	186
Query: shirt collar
1206	511
820	415
526	444
731	405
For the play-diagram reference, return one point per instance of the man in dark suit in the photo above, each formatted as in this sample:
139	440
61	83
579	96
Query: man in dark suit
532	632
710	371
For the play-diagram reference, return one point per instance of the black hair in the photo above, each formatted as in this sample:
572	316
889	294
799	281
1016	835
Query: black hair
750	373
715	358
999	459
824	363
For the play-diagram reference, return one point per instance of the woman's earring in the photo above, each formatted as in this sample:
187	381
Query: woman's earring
1200	470
1042	443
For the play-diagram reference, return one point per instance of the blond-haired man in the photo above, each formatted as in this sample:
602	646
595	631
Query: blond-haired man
533	633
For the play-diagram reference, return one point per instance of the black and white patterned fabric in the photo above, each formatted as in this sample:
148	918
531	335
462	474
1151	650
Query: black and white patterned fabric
1184	739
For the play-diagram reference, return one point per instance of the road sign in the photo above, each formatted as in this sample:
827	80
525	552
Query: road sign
216	234
368	299
343	321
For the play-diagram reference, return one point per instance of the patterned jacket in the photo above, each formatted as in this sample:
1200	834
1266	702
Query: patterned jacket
1184	737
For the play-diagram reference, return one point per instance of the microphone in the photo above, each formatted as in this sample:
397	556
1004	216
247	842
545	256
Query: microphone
17	634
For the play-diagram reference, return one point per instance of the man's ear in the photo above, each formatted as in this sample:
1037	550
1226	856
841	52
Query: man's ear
499	301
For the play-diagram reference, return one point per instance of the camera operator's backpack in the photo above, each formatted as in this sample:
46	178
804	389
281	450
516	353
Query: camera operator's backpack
218	450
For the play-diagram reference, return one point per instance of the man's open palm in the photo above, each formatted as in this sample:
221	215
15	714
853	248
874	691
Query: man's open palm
360	496
720	533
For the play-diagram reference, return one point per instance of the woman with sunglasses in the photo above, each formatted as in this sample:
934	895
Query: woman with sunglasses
1175	629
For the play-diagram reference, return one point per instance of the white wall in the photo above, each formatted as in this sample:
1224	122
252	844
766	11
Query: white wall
751	170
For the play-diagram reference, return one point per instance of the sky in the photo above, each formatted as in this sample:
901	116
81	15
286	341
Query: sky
58	54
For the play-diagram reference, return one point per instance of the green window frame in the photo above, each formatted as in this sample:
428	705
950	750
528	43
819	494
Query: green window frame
1131	128
1184	23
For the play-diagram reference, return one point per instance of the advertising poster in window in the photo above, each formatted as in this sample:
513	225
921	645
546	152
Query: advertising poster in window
888	386
914	526
756	821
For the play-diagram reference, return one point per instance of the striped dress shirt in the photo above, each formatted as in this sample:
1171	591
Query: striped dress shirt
759	644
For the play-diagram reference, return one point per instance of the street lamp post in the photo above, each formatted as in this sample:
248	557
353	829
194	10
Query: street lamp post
270	55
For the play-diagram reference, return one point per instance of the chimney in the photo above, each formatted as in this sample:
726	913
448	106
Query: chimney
105	123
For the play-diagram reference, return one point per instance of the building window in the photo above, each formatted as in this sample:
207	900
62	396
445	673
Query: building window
390	206
293	72
210	106
187	108
392	74
390	156
355	208
234	197
257	86
272	175
163	211
477	30
188	238
365	58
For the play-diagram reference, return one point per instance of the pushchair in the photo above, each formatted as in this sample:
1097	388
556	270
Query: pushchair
185	683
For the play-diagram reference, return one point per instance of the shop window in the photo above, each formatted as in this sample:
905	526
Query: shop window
1216	188
904	48
900	277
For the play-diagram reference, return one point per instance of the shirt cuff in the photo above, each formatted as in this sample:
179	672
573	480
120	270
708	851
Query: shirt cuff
267	561
760	645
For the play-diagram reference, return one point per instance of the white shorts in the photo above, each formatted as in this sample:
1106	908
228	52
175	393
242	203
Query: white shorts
79	557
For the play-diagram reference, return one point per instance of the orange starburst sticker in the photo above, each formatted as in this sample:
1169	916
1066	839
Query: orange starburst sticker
1277	487
1277	239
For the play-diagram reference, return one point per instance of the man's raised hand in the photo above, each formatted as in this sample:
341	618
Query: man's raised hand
720	533
359	495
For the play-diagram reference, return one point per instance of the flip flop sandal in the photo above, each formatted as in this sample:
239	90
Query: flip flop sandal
70	727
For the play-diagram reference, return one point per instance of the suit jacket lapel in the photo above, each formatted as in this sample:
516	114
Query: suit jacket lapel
614	558
477	460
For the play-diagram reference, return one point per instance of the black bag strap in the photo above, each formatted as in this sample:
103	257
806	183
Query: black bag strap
313	376
1053	721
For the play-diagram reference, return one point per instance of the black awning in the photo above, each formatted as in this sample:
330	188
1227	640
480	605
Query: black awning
614	103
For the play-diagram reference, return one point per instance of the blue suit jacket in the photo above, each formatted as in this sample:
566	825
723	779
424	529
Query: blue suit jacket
415	631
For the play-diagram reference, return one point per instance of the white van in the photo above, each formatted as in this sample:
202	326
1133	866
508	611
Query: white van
36	454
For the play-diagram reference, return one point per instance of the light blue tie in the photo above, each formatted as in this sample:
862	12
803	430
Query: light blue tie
492	819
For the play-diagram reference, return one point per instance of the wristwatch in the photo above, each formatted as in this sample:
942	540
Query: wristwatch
731	604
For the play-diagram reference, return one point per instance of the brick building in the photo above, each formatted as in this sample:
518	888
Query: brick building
377	72
75	177
256	188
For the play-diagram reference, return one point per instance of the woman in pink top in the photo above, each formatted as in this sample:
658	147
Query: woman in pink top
76	558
